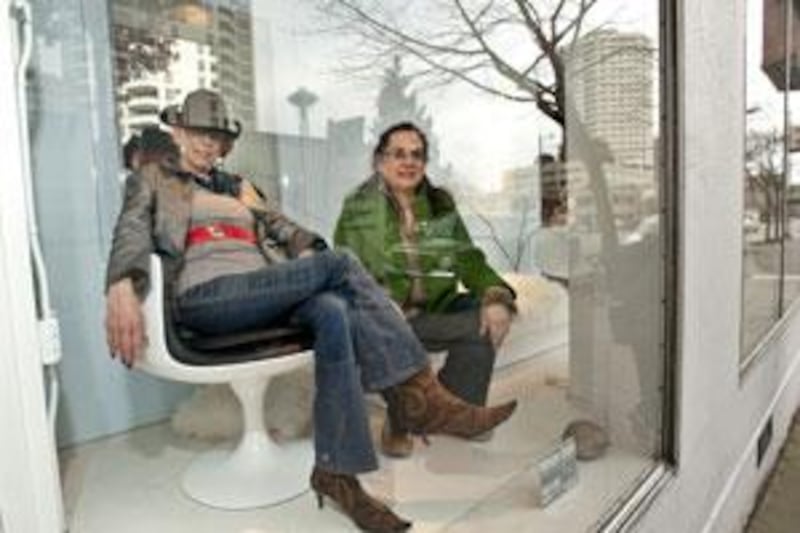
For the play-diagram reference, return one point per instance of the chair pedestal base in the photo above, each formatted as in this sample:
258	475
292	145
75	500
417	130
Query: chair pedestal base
258	473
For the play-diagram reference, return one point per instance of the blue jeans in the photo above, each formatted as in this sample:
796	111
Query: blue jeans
361	341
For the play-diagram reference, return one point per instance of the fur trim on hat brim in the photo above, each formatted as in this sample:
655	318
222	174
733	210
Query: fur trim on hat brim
172	116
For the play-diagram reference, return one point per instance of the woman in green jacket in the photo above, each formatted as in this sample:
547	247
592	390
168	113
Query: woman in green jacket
410	237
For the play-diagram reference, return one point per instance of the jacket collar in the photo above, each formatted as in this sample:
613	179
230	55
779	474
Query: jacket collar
217	181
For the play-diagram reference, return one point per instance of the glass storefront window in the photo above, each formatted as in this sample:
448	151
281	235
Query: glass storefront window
791	287
544	126
771	258
764	171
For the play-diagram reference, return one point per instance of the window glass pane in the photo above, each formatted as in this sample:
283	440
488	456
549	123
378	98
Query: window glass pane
791	243
542	163
613	146
764	170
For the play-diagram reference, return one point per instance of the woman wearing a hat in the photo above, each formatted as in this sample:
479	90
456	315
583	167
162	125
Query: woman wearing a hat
237	264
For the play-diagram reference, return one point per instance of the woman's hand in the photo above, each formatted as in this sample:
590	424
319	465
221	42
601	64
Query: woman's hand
124	322
495	322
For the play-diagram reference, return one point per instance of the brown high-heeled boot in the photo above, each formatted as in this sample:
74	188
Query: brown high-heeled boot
422	405
368	513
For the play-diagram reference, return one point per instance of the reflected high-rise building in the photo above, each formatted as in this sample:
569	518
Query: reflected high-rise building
610	81
195	45
140	99
610	77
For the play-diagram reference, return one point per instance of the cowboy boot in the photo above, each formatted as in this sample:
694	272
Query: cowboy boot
368	513
395	442
421	405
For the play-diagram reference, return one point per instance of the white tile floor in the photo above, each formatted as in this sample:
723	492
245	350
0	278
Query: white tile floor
130	483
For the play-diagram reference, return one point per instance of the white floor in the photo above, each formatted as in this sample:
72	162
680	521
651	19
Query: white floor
130	483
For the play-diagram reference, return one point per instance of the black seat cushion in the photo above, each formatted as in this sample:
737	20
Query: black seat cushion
192	348
243	340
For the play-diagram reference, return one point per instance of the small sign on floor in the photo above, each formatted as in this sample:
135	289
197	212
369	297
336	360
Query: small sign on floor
558	472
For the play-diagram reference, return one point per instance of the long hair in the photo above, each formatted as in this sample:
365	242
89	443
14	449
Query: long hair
386	137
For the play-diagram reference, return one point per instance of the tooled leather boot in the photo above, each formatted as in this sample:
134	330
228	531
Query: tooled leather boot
368	513
395	442
422	405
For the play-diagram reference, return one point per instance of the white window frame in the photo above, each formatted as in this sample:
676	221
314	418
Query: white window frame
30	492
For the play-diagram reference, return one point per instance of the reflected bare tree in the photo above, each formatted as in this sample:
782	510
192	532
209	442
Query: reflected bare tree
764	178
467	41
513	250
457	41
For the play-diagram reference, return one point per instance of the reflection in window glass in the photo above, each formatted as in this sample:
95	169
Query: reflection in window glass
764	170
542	171
791	243
612	140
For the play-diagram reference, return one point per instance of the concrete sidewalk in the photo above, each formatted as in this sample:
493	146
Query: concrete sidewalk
778	508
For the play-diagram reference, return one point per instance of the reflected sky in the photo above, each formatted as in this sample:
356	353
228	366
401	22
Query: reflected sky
480	135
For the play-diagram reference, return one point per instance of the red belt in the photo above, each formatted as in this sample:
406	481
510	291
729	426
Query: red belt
218	232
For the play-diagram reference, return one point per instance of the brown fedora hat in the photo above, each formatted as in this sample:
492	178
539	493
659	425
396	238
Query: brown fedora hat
202	109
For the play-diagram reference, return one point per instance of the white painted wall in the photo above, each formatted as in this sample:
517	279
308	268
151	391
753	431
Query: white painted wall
721	412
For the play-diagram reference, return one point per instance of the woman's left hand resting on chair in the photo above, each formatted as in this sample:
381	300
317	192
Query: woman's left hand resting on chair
495	323
497	311
124	322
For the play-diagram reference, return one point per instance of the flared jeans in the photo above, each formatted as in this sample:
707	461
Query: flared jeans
361	341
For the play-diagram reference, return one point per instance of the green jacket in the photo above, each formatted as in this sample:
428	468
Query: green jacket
369	226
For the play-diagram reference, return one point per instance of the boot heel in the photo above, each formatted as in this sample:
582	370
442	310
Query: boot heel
319	500
368	513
